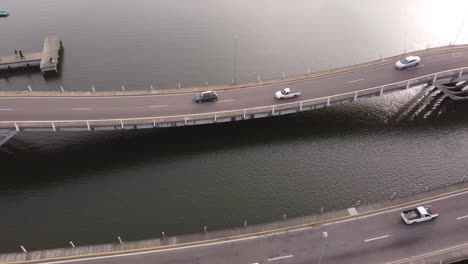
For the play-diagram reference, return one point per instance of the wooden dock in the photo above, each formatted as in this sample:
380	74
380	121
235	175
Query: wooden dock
48	60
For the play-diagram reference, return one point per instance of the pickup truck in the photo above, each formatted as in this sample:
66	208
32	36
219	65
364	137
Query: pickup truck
287	93
419	214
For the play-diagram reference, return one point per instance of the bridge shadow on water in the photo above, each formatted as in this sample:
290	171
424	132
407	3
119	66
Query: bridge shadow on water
33	159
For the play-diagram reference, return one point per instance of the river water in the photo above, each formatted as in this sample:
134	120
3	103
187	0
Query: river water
93	187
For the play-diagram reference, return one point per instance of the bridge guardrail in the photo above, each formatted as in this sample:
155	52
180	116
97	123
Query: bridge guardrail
220	116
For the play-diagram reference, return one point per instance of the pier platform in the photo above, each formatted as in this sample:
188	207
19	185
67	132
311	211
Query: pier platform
48	60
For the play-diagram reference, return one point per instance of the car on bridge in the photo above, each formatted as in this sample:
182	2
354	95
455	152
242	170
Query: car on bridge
419	214
206	96
408	62
287	93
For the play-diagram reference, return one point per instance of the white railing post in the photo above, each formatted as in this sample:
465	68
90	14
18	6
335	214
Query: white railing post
215	118
381	90
61	88
121	123
461	73
328	101
123	88
300	106
435	78
17	127
151	87
53	126
87	124
273	110
355	96
185	120
29	87
407	84
244	114
93	89
154	123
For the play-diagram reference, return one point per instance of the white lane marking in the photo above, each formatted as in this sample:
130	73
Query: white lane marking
462	217
154	106
358	80
227	100
282	257
375	238
6	109
149	252
81	109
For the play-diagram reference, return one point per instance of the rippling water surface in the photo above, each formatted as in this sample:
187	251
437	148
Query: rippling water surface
92	187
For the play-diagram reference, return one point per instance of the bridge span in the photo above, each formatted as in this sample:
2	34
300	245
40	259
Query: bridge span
92	111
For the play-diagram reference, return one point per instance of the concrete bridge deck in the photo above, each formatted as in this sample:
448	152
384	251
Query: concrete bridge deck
130	110
372	233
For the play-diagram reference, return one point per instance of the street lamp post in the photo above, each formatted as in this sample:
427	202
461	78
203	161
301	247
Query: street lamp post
324	235
235	59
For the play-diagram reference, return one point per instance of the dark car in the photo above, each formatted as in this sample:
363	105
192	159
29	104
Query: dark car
207	96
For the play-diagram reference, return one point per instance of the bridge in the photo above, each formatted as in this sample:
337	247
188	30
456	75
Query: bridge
372	233
92	111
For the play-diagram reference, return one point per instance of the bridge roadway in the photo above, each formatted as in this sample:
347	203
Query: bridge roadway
381	237
43	108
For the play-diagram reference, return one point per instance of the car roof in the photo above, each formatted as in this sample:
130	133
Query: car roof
207	92
412	58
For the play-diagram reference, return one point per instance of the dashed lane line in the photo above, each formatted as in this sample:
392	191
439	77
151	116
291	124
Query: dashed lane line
155	106
6	109
462	217
375	238
279	258
227	100
358	80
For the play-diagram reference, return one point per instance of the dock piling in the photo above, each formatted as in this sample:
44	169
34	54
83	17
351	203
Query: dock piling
23	249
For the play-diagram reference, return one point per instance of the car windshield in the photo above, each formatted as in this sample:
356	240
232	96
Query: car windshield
284	92
404	61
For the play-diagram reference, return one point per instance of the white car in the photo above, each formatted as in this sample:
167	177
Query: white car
408	62
287	93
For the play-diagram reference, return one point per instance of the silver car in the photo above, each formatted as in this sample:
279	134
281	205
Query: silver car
407	62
